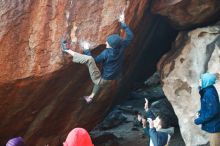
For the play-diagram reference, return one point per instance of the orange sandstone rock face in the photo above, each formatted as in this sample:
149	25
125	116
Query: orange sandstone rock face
40	89
185	14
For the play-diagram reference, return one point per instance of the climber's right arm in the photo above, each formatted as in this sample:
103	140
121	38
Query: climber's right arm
129	34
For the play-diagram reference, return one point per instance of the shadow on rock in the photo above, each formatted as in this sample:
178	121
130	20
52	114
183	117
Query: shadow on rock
115	118
105	139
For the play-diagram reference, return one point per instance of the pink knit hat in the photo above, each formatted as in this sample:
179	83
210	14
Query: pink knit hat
78	137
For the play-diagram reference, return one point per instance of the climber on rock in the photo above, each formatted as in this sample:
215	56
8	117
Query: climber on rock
111	58
209	114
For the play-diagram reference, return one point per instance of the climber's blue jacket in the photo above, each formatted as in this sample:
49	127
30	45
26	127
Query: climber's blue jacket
209	114
112	58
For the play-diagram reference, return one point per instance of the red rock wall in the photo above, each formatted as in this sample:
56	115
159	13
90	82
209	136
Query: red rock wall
40	89
188	14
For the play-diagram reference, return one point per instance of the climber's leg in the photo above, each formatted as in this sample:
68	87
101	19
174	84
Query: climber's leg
90	62
96	88
103	83
93	71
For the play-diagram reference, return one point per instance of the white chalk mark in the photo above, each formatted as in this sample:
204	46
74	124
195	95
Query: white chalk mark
85	45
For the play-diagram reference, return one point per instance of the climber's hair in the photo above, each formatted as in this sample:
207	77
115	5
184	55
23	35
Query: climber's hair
163	120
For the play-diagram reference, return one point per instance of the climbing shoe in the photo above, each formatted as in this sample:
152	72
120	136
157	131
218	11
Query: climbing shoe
64	45
88	99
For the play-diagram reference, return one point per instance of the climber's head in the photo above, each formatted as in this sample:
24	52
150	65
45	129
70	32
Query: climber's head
78	137
207	79
18	141
113	41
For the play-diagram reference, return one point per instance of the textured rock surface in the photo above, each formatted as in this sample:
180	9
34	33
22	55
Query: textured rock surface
31	31
193	53
40	90
188	13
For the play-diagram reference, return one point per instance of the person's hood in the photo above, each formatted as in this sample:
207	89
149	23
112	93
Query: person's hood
78	137
114	41
208	79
